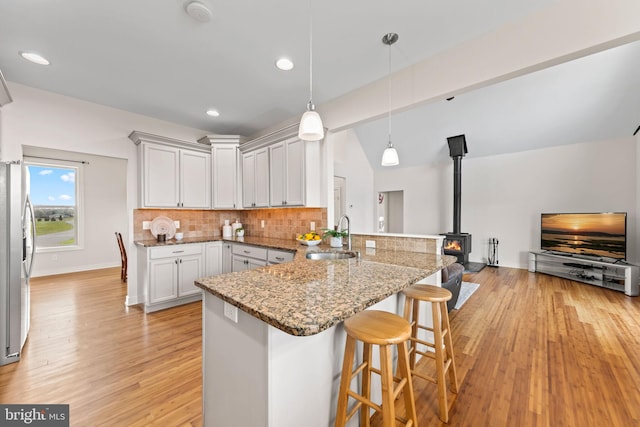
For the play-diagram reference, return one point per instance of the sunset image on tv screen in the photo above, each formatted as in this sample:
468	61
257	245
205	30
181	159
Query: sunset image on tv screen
597	234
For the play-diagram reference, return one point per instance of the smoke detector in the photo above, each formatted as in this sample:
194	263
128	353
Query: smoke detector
198	11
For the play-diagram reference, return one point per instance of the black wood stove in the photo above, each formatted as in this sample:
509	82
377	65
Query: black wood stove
457	243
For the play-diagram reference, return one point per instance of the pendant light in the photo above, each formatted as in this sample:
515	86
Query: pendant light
311	128
390	155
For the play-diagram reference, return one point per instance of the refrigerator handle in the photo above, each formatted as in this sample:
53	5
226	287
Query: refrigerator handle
29	207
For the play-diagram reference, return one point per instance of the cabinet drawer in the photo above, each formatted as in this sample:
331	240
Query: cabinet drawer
250	251
275	256
175	250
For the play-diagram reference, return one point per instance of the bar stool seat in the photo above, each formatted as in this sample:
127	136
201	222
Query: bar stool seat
385	330
442	344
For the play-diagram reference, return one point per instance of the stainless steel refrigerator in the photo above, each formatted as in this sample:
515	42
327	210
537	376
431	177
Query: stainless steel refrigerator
17	248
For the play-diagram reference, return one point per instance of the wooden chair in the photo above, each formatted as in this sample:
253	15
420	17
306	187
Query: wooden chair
123	257
385	330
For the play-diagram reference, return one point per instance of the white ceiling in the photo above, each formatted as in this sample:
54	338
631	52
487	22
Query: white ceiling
150	57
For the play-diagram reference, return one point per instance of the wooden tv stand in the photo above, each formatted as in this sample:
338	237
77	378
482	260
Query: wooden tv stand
617	276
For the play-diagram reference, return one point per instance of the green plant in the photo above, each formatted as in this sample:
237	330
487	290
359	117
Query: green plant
334	233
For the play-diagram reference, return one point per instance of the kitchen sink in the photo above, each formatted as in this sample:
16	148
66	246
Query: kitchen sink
331	255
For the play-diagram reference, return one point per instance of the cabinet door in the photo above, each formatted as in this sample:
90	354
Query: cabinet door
239	263
195	185
255	263
161	171
277	174
224	176
189	269
226	258
261	183
163	280
248	179
295	172
213	259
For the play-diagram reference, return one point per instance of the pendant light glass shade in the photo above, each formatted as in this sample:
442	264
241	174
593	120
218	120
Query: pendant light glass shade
311	128
389	155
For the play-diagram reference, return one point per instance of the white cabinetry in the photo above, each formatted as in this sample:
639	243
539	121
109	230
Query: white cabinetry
255	178
168	274
275	256
172	173
213	258
286	172
617	276
247	257
225	168
292	174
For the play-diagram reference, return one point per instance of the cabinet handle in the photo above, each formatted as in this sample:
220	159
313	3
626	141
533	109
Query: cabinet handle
246	261
176	261
246	252
177	252
180	260
280	258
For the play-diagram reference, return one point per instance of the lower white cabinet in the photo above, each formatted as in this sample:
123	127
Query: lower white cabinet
247	257
276	256
168	274
213	258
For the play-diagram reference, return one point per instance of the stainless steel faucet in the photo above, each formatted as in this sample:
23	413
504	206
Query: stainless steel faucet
348	229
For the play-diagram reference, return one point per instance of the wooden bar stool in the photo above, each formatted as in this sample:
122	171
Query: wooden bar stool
442	342
385	330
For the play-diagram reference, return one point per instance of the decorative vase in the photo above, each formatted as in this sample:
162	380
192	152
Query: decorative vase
335	242
240	233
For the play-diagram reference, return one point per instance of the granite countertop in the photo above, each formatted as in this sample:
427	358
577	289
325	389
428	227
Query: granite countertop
305	297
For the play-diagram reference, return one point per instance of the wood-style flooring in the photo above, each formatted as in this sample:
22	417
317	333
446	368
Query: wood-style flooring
531	350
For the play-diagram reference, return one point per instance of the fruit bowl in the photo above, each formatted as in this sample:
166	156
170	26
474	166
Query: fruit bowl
309	242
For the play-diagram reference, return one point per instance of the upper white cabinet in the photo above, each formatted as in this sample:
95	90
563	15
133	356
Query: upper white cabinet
225	170
286	172
172	173
255	178
293	175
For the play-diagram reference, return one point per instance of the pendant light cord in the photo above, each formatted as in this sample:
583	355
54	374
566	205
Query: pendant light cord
310	55
389	93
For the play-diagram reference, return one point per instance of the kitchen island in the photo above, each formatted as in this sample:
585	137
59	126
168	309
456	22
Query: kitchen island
273	340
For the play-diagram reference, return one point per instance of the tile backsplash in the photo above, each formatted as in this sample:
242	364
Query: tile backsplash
397	243
280	223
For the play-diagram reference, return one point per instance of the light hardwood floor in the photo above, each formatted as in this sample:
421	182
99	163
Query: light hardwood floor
531	350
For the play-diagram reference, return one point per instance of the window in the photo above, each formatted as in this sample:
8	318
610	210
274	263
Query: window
53	190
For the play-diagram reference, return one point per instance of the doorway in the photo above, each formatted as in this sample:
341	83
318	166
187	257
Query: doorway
390	214
339	198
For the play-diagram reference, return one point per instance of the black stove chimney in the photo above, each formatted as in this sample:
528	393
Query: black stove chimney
457	150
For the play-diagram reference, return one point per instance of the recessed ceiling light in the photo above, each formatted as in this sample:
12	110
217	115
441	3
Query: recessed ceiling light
213	113
35	58
284	64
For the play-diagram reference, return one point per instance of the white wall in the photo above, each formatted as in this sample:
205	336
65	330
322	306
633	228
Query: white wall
503	196
44	119
351	163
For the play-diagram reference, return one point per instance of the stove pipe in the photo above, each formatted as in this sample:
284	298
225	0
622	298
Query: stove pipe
457	150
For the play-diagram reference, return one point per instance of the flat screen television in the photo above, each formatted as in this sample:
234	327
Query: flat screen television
599	235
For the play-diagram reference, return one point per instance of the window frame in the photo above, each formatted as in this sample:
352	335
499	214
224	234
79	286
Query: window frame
79	205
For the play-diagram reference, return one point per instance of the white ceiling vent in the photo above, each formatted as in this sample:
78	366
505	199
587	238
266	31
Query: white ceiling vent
198	11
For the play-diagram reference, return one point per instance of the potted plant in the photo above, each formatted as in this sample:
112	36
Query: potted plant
240	232
335	236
